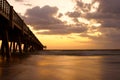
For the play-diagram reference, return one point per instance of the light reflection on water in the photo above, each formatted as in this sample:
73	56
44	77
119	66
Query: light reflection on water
39	67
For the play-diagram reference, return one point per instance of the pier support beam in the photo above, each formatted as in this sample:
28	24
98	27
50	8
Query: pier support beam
19	44
25	48
5	44
14	50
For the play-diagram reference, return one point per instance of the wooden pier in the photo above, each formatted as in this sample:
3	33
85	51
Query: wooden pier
14	33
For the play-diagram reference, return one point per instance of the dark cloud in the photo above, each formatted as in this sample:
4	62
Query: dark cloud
108	10
84	7
108	15
73	14
110	6
44	19
110	23
60	15
80	9
109	38
101	15
108	35
65	30
113	35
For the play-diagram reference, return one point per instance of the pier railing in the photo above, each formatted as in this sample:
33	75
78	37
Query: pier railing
17	20
5	7
7	11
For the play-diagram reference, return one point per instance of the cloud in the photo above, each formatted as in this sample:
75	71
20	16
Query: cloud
110	6
44	19
82	10
111	34
73	14
109	38
60	15
107	14
43	15
40	17
108	35
47	18
65	30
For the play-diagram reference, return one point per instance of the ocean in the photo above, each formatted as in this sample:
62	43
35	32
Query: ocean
62	65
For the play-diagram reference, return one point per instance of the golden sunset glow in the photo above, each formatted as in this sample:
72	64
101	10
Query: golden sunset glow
59	39
96	34
97	24
94	23
67	20
83	20
57	29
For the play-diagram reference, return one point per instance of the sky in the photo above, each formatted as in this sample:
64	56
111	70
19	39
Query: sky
72	24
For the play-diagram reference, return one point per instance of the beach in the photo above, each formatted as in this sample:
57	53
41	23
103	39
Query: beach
61	67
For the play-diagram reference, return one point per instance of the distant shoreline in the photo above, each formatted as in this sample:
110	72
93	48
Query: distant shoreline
72	52
82	50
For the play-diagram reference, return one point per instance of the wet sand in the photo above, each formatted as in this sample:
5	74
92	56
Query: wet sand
46	67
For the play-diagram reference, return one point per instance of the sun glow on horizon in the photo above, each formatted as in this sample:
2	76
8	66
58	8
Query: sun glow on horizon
95	34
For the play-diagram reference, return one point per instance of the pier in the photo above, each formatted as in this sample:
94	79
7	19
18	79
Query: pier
14	33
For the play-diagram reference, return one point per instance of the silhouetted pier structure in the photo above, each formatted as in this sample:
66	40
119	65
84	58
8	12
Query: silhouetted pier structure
14	33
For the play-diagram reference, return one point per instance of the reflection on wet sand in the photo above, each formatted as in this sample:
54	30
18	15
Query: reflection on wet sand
39	67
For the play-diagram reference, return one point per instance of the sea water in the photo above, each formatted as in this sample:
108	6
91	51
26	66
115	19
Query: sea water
41	66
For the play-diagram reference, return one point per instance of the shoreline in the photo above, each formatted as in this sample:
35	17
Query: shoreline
104	52
82	50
